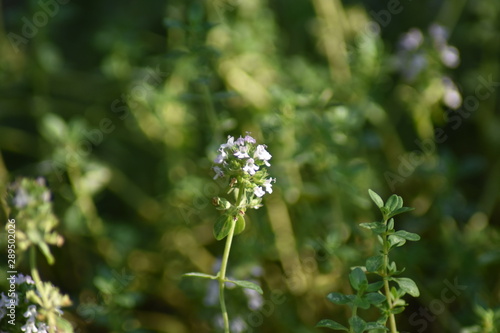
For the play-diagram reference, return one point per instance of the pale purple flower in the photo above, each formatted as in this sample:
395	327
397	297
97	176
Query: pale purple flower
29	327
31	312
229	144
43	328
411	40
250	167
22	279
22	198
218	172
221	157
4	301
254	299
439	34
450	56
240	141
451	97
262	154
242	152
258	191
238	325
249	139
413	66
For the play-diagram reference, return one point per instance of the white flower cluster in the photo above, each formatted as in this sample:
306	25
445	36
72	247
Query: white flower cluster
32	325
243	157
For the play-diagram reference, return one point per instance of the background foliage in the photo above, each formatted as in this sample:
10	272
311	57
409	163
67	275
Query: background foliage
122	105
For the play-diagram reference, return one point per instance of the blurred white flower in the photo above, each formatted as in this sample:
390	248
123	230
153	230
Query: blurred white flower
24	278
411	40
450	56
254	299
439	34
267	184
238	325
451	97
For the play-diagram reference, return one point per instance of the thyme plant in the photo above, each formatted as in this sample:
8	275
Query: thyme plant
242	164
386	293
31	305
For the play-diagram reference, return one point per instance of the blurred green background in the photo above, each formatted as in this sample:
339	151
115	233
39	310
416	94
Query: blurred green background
121	106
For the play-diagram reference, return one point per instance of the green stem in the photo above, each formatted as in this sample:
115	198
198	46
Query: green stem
34	271
388	295
225	258
222	276
354	313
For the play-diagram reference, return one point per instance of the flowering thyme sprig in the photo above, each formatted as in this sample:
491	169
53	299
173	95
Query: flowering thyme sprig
244	164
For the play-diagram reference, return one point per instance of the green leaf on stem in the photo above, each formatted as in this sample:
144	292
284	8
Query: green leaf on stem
240	225
222	226
327	323
361	302
390	224
338	298
374	286
200	275
393	203
376	227
376	198
396	241
375	326
358	325
400	210
375	298
407	235
408	286
247	285
398	309
358	279
374	263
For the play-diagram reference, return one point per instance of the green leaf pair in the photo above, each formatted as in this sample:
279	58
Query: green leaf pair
392	207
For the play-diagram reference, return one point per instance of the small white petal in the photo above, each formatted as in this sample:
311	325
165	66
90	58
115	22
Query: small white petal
258	191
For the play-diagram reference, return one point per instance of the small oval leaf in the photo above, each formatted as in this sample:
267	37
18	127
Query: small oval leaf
408	285
222	227
338	298
358	279
240	225
376	198
374	263
247	285
358	325
407	235
376	227
327	323
375	298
